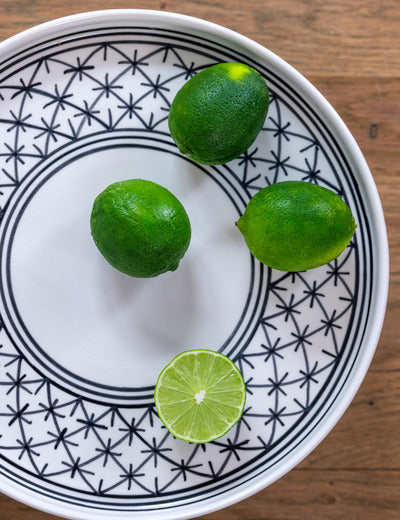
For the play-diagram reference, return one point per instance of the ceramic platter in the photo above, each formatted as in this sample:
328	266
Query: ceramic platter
84	102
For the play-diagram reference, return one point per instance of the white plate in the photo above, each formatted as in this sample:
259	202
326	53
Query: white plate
84	102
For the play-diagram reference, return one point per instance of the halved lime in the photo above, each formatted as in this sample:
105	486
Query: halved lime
200	395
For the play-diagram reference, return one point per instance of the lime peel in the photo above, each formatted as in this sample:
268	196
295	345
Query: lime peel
295	225
140	228
219	112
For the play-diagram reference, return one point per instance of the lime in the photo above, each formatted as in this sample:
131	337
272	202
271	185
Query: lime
295	225
219	112
200	395
140	228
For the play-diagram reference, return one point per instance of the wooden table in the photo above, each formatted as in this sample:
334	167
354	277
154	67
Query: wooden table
350	50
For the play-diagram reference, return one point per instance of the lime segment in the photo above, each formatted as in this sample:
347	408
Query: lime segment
200	395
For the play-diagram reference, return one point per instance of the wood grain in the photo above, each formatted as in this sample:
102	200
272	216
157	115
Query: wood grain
350	50
353	38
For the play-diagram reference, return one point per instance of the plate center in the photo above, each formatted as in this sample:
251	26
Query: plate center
102	326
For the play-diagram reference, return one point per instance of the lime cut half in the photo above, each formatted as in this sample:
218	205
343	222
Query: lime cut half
200	395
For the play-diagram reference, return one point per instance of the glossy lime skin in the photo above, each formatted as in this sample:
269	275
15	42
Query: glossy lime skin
219	112
140	228
295	226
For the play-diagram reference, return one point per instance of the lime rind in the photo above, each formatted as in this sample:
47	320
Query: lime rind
140	228
296	226
216	414
218	113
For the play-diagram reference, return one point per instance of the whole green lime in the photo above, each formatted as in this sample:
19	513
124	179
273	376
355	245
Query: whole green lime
295	226
219	112
140	228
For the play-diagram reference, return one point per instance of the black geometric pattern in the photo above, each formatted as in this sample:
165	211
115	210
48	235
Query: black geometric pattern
112	454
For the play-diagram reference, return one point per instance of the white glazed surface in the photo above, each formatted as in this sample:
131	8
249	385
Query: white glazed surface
91	341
